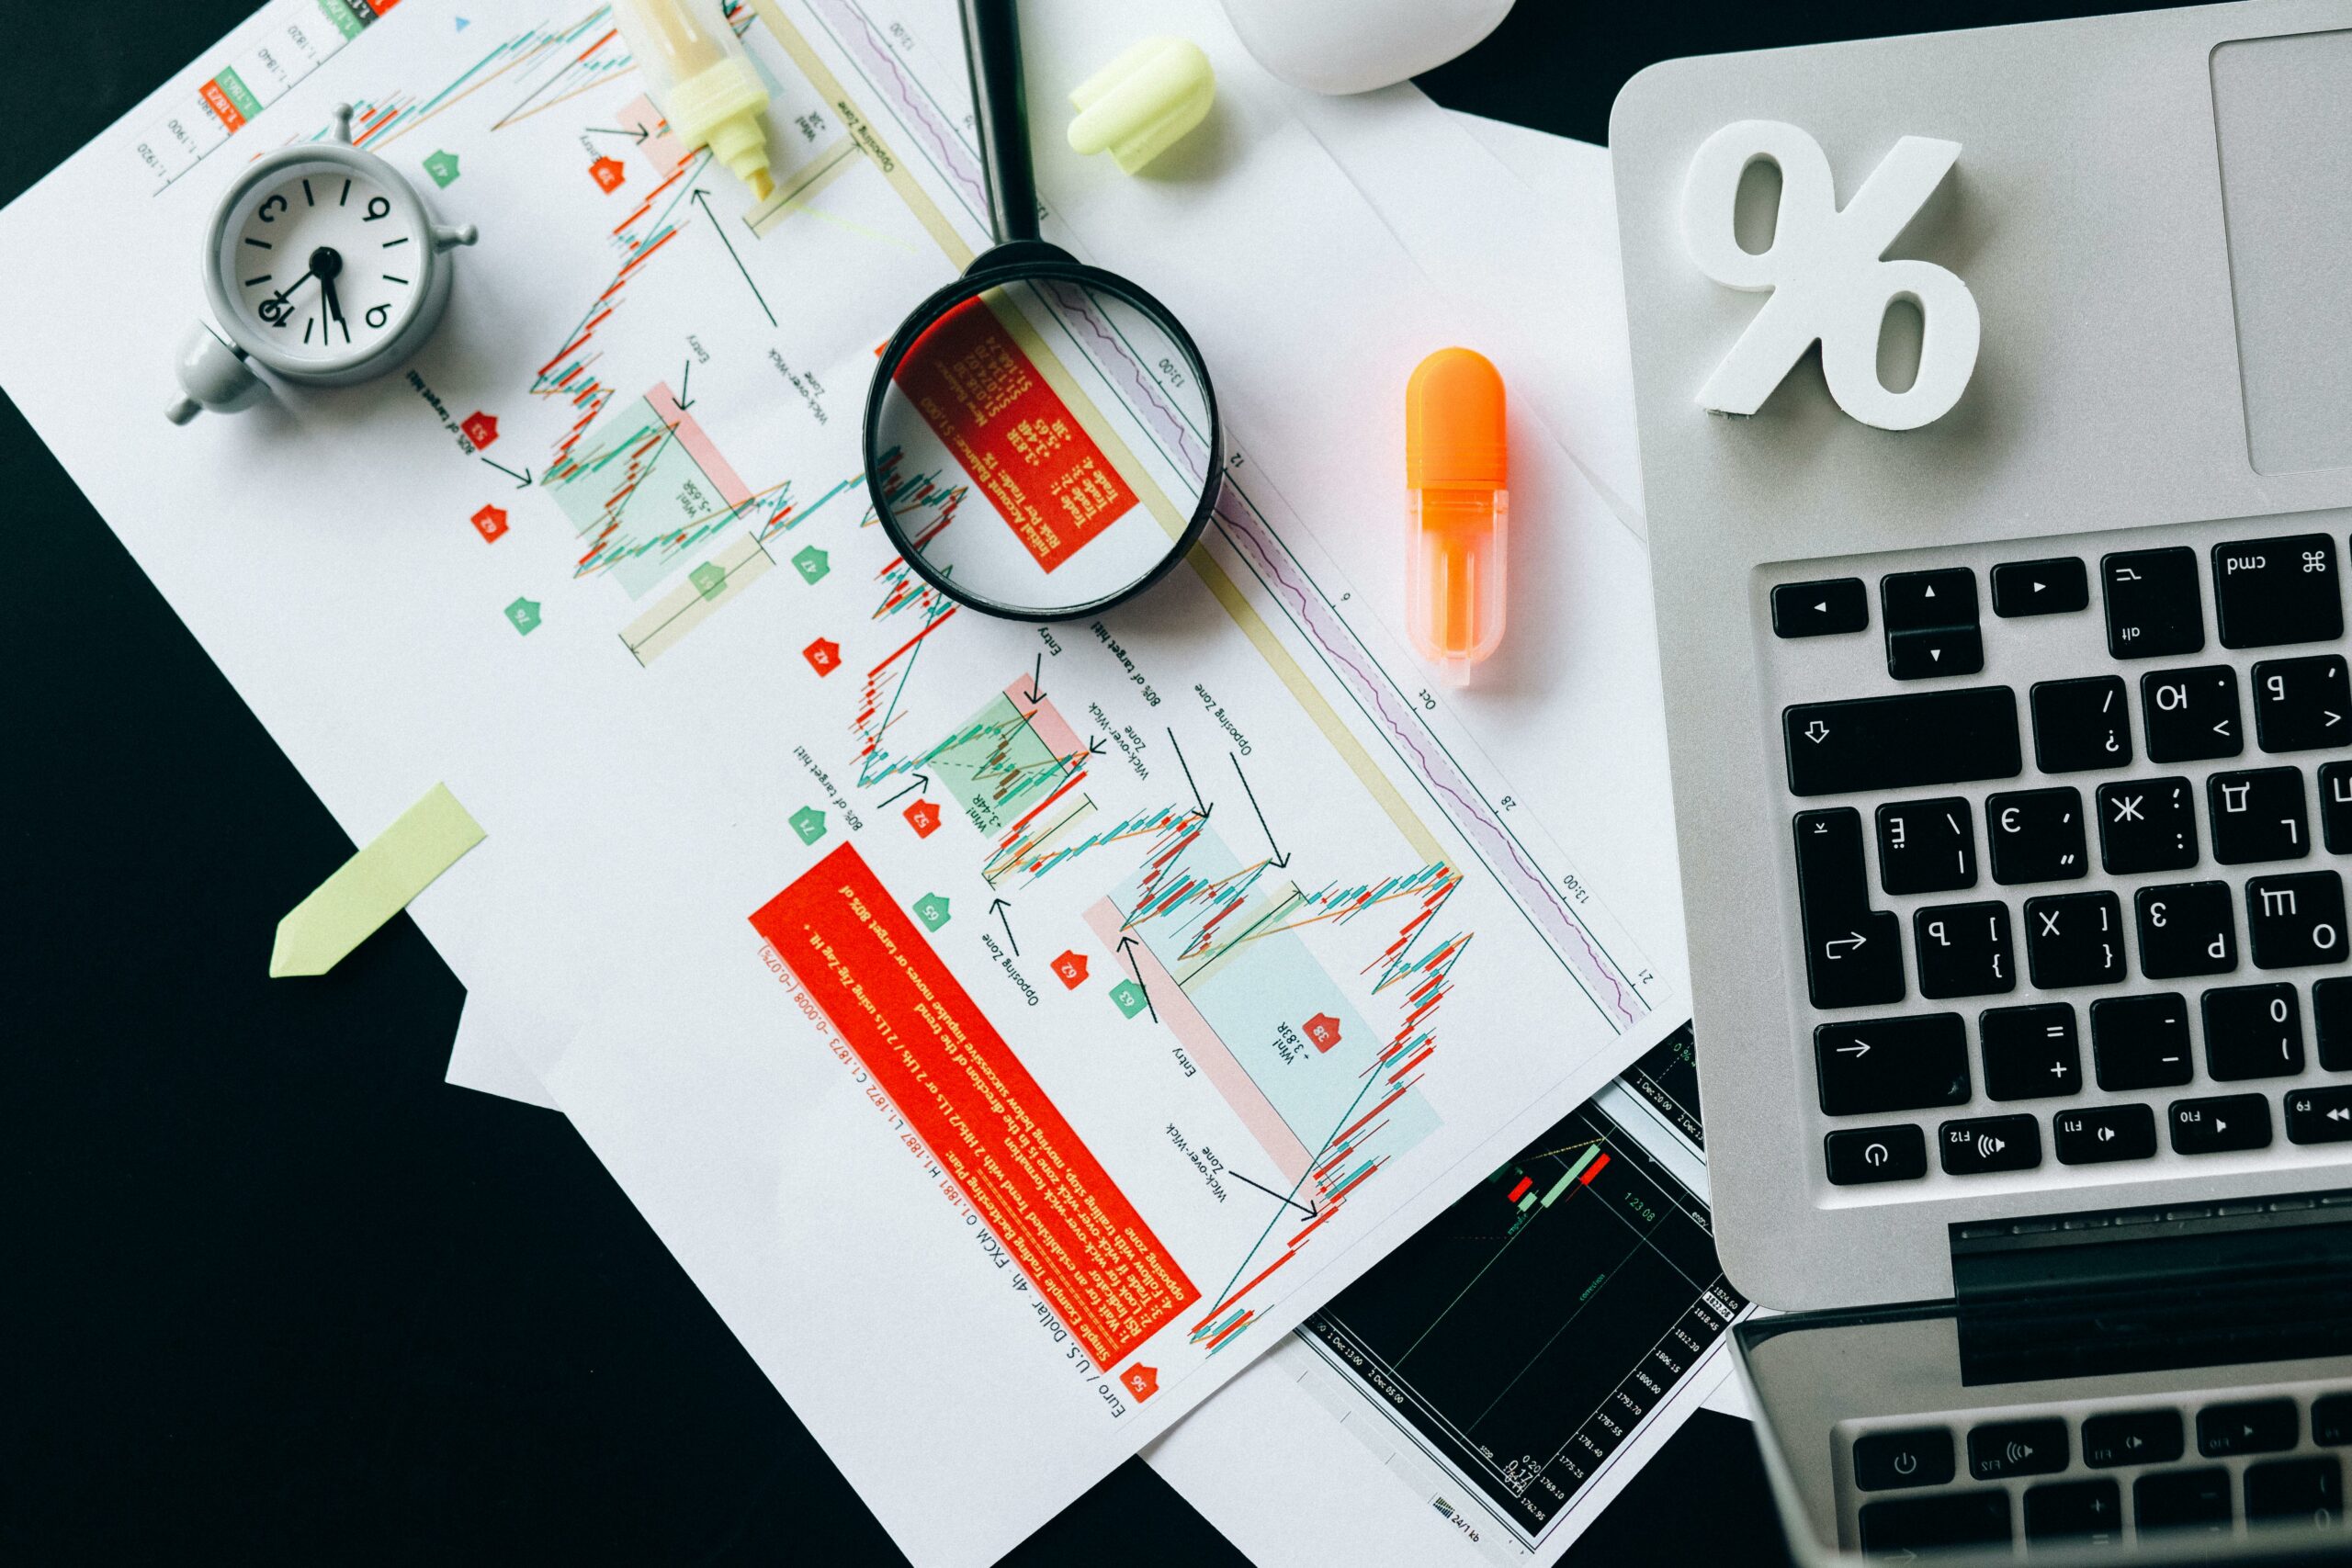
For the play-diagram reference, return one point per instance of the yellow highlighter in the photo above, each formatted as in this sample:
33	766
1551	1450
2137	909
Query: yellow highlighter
1457	471
697	74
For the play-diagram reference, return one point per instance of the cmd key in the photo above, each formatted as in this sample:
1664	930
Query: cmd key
1902	742
2271	592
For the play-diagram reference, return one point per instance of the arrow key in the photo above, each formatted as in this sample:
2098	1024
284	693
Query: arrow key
2320	1115
1941	650
1858	1156
1820	609
2041	587
2302	704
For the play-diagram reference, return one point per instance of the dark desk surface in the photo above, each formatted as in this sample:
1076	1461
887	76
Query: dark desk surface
271	1291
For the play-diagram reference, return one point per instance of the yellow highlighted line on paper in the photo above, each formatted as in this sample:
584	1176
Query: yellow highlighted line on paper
374	885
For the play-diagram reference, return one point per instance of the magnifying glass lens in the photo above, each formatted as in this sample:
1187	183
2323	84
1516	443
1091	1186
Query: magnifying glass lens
1041	441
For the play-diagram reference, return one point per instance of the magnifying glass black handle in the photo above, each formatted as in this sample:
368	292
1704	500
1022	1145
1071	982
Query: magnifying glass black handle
993	50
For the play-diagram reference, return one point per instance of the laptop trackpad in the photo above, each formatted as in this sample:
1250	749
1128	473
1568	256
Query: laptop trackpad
2282	108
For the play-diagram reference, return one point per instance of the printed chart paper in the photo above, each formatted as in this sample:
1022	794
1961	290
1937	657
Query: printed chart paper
1012	1030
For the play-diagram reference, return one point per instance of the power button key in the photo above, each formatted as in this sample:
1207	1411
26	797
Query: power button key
1884	1461
1859	1156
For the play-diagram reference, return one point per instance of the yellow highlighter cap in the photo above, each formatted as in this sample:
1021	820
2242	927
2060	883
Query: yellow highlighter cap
1454	430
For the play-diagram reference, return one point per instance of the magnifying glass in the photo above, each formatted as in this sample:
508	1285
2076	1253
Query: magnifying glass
1041	437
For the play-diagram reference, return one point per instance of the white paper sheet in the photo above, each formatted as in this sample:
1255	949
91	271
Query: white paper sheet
640	790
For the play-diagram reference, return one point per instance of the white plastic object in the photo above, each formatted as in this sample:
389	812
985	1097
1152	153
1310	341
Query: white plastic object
212	376
1825	272
1354	46
1137	105
699	77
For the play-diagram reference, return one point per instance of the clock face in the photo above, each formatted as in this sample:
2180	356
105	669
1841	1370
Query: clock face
322	263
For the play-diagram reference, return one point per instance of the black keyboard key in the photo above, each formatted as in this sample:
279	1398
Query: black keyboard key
1917	600
2250	1426
2335	806
1903	742
1964	950
2295	919
1894	1064
2154	608
2332	1022
2030	1052
1862	1156
2257	816
2192	715
2295	1491
1908	1526
2142	1041
1927	846
2087	1511
2183	1500
2073	939
2100	1134
2319	1115
2229	1124
1820	609
2332	1420
2253	1032
2036	835
2000	1449
2041	587
2302	704
2132	1436
1853	954
1935	651
2268	593
2149	825
1978	1145
2079	725
2187	928
1885	1461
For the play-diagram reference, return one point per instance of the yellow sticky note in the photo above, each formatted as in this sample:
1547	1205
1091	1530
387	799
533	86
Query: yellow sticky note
374	885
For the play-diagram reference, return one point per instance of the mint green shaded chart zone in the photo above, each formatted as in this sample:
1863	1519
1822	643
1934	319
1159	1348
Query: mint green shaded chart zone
1324	1094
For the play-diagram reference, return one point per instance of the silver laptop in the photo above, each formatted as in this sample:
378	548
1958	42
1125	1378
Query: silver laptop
2012	762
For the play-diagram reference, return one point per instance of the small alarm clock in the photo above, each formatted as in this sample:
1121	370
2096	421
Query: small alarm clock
323	264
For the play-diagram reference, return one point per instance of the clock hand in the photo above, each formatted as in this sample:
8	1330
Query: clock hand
281	299
335	306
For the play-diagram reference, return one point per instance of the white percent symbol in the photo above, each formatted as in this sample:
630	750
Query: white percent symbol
1827	276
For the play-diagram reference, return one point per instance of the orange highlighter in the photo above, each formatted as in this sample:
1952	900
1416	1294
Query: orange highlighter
1457	470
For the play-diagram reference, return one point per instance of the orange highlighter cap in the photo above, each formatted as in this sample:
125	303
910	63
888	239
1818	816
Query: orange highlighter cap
1457	468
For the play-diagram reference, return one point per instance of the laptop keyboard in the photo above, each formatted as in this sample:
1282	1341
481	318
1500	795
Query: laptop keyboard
2102	1475
2063	871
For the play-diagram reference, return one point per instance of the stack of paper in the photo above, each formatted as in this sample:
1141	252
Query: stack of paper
1013	1032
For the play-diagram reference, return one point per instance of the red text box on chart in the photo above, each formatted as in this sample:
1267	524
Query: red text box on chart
1016	1159
1041	472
